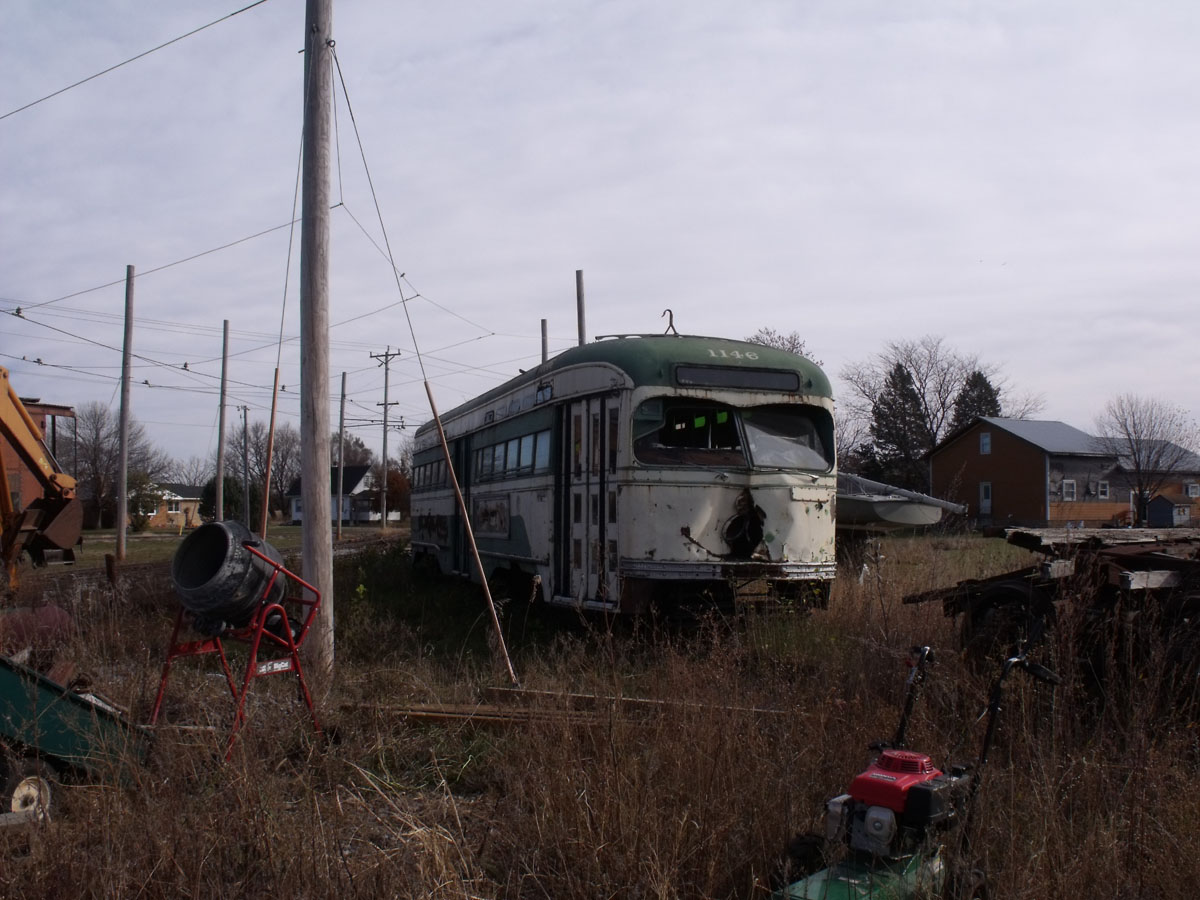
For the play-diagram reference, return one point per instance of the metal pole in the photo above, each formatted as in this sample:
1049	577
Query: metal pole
545	343
470	535
387	358
314	322
123	460
219	505
246	465
341	455
384	487
266	510
579	310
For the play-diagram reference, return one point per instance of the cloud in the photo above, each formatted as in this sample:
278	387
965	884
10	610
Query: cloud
1018	177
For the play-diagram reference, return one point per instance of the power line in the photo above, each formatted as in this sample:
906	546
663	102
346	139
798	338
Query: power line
177	262
131	59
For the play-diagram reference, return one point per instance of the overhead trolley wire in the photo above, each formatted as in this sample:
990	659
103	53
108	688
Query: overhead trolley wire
13	112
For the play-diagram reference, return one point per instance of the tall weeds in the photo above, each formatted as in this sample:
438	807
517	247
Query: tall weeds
1090	791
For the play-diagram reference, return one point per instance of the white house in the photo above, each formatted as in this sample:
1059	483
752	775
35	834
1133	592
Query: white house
360	499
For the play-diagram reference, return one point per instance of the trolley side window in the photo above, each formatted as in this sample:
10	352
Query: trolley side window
789	437
686	433
528	454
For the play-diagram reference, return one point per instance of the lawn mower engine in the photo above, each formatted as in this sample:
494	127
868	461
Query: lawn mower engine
896	805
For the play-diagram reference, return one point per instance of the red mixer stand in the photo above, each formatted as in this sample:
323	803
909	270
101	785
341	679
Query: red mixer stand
256	635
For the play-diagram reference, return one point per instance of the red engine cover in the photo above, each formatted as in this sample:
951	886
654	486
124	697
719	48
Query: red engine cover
887	780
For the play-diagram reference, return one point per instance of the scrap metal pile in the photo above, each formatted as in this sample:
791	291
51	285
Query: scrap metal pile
1128	576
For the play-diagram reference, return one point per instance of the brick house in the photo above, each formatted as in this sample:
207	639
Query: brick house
178	506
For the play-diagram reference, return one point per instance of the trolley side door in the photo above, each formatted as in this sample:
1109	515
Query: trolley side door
588	522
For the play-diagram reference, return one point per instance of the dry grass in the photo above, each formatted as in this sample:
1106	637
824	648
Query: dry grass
695	799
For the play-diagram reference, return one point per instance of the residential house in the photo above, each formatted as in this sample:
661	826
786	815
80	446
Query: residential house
1026	472
1046	473
178	506
360	497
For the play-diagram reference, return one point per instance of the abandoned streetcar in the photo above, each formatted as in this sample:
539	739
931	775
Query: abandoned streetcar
637	471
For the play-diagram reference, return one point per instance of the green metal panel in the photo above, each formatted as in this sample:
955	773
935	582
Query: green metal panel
58	723
857	879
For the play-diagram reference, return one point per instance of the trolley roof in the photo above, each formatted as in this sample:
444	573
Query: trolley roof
652	360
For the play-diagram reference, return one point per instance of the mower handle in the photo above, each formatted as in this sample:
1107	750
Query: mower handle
1041	673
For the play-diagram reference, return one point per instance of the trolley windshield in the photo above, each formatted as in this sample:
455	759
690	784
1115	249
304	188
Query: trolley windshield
687	432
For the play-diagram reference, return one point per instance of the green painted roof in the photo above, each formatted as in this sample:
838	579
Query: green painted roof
650	359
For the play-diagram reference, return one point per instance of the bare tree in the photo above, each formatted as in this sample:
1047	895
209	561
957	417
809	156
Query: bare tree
98	444
285	462
1151	440
286	467
938	374
194	471
790	342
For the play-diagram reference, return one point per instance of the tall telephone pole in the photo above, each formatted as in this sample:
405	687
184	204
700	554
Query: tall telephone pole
314	322
341	465
386	357
246	464
220	501
123	462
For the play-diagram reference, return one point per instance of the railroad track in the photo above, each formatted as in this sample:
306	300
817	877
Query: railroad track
519	706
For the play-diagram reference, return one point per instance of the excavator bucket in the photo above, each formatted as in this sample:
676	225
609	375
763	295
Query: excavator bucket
51	524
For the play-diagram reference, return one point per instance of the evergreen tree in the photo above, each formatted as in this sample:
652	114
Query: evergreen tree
899	432
977	398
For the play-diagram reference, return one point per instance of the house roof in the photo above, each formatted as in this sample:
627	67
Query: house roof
1186	462
1049	435
1059	438
180	490
350	481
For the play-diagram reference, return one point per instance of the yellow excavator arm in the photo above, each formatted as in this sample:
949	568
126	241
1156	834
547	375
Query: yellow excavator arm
50	522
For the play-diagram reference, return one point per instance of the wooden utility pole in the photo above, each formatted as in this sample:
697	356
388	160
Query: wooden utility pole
387	357
314	322
219	505
266	509
246	464
123	453
341	455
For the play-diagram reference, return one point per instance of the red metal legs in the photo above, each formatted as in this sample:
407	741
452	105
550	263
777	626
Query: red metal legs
270	633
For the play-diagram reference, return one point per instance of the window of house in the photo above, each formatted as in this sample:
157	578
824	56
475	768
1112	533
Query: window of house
1068	490
173	506
985	443
1193	489
1102	490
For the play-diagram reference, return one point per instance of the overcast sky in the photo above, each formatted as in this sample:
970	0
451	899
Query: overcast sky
1022	178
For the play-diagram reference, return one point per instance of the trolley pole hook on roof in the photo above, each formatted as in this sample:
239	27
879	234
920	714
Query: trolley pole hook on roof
670	316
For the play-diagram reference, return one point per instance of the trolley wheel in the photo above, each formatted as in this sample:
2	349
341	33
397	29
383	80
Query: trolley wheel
31	788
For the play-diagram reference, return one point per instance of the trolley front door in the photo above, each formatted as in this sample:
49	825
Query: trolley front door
590	514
